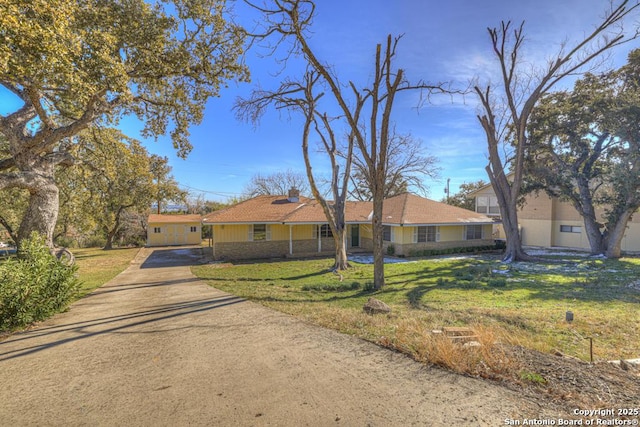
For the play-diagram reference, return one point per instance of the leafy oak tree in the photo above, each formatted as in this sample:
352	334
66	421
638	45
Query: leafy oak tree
72	63
115	174
586	150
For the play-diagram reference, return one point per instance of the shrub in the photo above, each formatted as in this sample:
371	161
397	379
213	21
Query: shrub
391	250
342	287
497	282
34	285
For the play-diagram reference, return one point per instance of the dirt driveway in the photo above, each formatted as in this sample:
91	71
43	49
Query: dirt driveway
157	347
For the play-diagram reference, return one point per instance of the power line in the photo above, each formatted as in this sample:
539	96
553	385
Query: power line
215	193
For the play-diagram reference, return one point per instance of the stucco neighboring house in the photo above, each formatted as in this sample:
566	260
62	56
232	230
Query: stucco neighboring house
174	230
293	226
549	222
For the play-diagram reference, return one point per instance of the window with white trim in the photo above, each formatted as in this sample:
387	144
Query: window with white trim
473	232
423	234
193	229
157	230
324	231
387	233
259	232
487	205
570	229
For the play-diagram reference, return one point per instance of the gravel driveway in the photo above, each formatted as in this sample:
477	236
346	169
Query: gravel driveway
158	347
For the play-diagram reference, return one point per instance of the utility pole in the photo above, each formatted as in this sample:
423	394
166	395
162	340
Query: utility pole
446	189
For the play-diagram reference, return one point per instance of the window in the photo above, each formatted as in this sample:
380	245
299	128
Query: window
259	232
325	231
157	230
194	229
387	233
426	234
473	232
570	229
487	205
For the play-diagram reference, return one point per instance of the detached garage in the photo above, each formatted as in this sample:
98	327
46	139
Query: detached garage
174	230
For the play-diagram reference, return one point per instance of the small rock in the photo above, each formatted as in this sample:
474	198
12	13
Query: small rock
374	306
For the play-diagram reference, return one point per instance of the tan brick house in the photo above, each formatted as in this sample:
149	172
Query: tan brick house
290	226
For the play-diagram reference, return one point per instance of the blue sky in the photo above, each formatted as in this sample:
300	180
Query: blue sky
443	41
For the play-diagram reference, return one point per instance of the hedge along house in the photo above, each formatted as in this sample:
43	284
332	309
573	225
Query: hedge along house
174	230
293	226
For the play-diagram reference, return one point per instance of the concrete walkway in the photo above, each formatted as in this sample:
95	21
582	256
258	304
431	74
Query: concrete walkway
158	347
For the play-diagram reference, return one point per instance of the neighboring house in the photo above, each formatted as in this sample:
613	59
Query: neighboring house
549	222
293	226
172	230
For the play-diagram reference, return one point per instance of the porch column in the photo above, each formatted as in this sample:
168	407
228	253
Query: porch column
319	239
213	242
290	239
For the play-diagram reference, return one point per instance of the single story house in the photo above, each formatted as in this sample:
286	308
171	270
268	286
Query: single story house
549	222
290	226
174	230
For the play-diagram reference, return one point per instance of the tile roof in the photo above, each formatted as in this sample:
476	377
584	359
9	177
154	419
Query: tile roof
156	218
406	209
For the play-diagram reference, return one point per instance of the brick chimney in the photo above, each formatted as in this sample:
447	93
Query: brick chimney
294	195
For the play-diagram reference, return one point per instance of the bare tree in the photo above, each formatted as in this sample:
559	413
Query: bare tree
505	115
277	183
291	20
303	97
407	166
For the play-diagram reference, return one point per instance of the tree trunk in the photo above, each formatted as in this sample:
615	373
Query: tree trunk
342	262
109	243
42	213
584	205
594	235
378	254
111	232
509	212
513	250
613	239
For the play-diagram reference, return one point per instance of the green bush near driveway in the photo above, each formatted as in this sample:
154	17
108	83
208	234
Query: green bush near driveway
34	285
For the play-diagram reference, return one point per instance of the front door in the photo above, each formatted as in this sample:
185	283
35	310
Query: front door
355	235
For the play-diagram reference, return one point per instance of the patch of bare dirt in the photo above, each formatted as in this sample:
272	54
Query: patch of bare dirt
568	383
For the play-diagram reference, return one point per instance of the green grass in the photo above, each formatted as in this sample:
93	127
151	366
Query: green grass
525	306
96	266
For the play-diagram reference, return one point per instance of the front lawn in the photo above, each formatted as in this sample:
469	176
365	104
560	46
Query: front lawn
523	303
